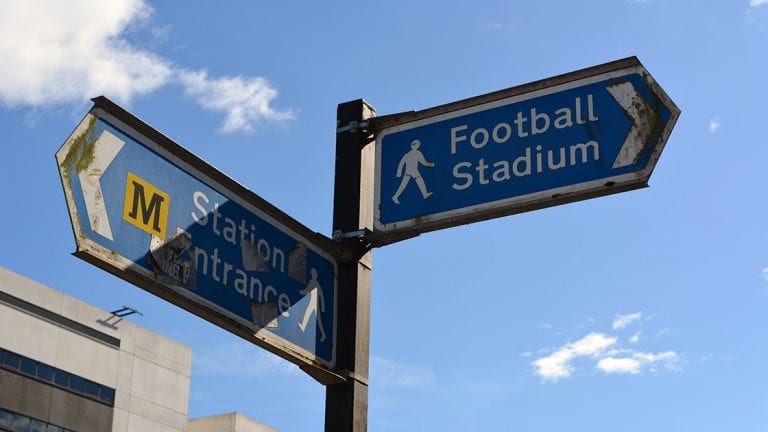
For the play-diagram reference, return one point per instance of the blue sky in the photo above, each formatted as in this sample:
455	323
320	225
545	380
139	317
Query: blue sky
639	311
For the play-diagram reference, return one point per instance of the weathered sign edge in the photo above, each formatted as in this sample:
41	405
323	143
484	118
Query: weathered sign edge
626	182
101	257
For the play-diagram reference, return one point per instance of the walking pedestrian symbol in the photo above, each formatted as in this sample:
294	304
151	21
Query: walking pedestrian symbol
316	299
411	161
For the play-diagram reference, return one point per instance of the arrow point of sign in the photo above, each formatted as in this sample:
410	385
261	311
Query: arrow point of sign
643	117
105	149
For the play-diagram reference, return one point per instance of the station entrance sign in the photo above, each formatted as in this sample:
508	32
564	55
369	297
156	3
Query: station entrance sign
149	211
580	135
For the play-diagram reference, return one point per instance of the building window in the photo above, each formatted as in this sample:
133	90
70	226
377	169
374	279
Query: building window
92	389
45	372
15	422
107	395
28	366
37	425
76	384
57	377
11	360
60	378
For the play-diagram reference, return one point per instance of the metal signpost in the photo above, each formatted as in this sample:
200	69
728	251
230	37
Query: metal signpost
585	134
346	403
150	212
147	210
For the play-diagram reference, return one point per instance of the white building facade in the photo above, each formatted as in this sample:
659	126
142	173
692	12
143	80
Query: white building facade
67	365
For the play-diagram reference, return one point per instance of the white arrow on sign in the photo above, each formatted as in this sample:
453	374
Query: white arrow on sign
105	149
643	117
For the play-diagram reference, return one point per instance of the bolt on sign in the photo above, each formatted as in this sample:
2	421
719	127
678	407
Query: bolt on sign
149	211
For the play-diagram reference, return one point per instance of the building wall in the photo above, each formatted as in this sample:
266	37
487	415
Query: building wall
149	373
40	401
230	422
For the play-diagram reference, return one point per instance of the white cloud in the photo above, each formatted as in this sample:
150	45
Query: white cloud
58	52
606	354
619	365
622	321
757	3
653	358
557	365
240	360
714	124
245	101
638	360
764	274
389	373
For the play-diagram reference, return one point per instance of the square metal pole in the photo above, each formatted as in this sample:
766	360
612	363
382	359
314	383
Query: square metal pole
346	404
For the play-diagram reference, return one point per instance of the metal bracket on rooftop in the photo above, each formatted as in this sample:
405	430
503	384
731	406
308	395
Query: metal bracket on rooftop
125	311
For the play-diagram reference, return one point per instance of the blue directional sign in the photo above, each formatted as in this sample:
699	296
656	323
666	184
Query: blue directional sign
580	135
152	213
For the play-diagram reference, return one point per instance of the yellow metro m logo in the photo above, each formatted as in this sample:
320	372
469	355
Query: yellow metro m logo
146	206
